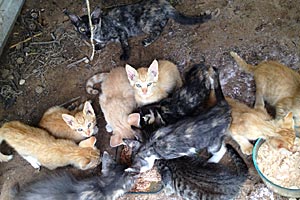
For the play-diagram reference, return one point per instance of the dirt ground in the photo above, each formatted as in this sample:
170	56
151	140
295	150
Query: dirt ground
38	73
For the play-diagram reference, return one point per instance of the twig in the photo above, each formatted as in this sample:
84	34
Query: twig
91	28
26	40
47	42
70	101
84	59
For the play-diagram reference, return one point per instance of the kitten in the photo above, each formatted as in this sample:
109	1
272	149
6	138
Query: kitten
185	137
112	183
116	101
191	98
251	124
73	125
154	83
193	178
39	148
277	84
120	23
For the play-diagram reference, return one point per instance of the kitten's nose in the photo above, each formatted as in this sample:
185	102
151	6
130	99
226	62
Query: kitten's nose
144	90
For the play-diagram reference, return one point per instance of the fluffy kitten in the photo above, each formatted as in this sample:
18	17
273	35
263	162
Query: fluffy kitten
251	124
73	125
193	178
120	23
154	83
116	101
39	148
191	98
186	136
112	183
277	84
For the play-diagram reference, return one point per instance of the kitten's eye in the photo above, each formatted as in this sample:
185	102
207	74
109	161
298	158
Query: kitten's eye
138	85
80	129
89	125
149	84
81	29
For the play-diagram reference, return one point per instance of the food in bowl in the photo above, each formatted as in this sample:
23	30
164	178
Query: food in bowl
279	168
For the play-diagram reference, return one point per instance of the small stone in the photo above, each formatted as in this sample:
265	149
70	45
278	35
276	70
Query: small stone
21	82
10	77
39	89
20	60
5	73
66	18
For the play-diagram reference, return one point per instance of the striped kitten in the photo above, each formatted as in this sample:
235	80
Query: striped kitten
73	125
154	83
39	148
116	102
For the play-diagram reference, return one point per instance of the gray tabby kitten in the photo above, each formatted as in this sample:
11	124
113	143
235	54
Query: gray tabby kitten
112	183
193	178
204	130
120	23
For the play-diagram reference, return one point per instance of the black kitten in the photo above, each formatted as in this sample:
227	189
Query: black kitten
113	183
193	178
120	23
187	136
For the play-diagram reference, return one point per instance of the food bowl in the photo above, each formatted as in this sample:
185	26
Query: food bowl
284	191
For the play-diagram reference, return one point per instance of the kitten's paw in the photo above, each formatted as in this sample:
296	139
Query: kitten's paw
95	130
5	158
108	128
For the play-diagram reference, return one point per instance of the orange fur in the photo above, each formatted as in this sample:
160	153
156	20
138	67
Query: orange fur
251	124
154	83
39	148
73	125
277	84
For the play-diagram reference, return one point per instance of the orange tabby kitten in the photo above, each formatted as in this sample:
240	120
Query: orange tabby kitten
277	84
251	124
154	83
73	125
39	148
116	101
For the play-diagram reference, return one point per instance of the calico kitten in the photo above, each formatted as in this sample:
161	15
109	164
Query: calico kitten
185	137
39	148
193	178
251	124
73	125
191	98
120	23
154	83
277	84
116	101
112	183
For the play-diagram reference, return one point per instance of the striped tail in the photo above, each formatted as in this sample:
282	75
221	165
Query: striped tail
242	63
97	78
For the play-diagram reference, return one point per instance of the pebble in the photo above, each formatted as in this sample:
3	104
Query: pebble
5	73
22	81
39	89
20	60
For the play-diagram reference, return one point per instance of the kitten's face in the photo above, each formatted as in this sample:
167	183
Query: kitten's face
144	79
84	123
89	154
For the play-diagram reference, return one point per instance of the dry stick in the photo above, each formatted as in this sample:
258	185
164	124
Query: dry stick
84	59
26	40
91	28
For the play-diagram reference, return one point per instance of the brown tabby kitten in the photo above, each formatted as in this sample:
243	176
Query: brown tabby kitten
73	125
116	101
251	124
154	83
39	148
277	84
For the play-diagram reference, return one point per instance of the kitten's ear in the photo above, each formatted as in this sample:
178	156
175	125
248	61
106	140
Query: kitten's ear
95	15
134	119
153	70
287	121
88	109
107	161
116	140
74	18
69	119
133	144
90	142
132	74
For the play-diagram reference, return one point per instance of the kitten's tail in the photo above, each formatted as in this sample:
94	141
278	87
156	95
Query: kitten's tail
97	78
241	166
190	20
242	63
